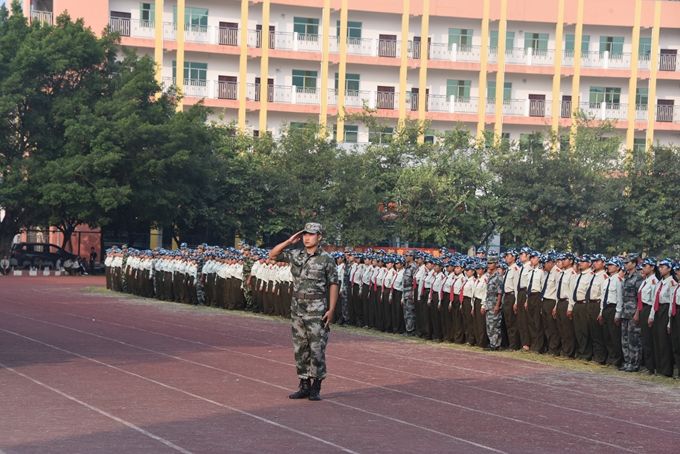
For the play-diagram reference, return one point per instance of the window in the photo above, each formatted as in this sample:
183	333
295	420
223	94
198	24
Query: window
462	37
538	42
509	40
613	45
351	84
147	14
458	88
491	91
195	19
306	26
639	145
380	135
304	80
609	95
645	48
353	31
569	44
195	73
350	133
641	98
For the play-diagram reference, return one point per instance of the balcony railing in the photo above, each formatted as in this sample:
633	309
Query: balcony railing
43	17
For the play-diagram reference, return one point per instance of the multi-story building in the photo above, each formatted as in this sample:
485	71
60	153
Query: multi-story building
511	66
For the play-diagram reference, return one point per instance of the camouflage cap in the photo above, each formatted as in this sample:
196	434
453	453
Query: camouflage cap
313	227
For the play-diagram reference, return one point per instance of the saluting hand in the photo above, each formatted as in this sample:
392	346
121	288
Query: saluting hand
295	237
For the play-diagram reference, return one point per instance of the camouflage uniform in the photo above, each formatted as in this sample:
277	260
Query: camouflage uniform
247	290
408	297
493	321
630	332
344	294
312	277
200	284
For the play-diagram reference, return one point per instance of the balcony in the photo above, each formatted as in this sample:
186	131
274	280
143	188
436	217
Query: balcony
605	111
449	52
42	17
528	56
206	89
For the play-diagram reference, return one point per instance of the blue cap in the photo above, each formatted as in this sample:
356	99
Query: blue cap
649	261
666	262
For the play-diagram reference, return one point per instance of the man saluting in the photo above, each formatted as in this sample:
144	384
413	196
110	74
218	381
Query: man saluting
315	294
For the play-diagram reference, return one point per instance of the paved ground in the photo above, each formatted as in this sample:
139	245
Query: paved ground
85	371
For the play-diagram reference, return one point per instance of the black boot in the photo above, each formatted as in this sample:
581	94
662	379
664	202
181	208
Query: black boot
303	390
315	390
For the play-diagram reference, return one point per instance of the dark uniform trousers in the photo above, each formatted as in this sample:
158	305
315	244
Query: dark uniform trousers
510	320
456	313
355	306
378	311
388	321
675	336
468	326
584	345
523	318
434	310
612	336
446	320
565	326
398	322
365	303
535	322
426	327
663	350
479	322
596	332
552	335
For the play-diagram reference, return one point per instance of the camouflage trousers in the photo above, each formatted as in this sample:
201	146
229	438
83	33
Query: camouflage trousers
247	297
409	311
310	337
200	292
631	344
344	306
493	328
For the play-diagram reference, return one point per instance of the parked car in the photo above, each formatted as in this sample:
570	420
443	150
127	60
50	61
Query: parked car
39	255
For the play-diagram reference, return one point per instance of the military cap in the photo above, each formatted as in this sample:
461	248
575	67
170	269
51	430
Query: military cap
649	261
492	259
313	227
666	262
534	253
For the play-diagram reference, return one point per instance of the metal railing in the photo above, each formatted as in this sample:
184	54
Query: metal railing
43	17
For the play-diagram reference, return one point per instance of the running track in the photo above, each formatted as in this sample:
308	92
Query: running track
87	372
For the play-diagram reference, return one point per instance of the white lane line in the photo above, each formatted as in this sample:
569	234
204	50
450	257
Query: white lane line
407	393
263	382
435	363
97	410
179	390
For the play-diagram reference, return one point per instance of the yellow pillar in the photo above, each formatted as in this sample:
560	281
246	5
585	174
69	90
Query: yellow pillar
342	72
325	26
180	50
576	80
557	76
403	69
422	75
243	67
483	65
264	65
158	34
653	70
500	75
632	83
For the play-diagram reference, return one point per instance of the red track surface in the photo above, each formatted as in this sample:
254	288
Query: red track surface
85	372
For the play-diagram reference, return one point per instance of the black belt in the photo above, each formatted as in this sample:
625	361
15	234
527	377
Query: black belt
562	299
509	293
594	301
580	302
534	293
523	289
308	296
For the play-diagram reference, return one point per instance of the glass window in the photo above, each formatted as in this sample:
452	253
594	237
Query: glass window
645	48
351	134
195	73
509	40
569	44
306	26
641	98
351	83
380	135
639	145
147	14
538	42
462	37
353	31
613	45
609	95
458	88
491	91
304	80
